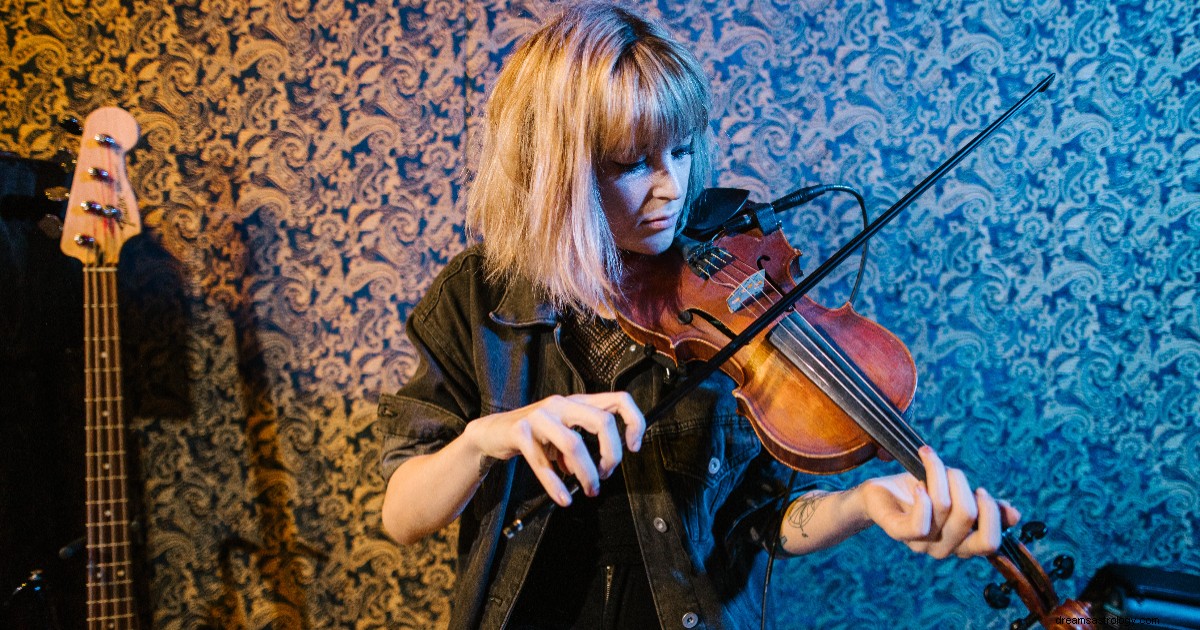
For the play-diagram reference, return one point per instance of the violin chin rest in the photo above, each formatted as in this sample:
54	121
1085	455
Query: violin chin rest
712	209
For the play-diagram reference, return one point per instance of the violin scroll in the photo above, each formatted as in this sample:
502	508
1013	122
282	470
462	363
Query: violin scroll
1034	585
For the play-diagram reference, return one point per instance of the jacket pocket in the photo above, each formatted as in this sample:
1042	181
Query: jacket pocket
705	460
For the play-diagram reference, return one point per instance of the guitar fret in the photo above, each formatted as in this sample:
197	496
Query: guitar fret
104	398
117	600
106	478
103	583
106	501
107	453
122	564
109	545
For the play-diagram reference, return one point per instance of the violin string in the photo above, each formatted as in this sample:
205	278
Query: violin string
870	401
884	414
873	406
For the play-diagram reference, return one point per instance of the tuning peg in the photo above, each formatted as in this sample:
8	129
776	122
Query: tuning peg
998	596
57	193
71	124
66	159
1023	623
1031	531
51	226
1064	567
101	210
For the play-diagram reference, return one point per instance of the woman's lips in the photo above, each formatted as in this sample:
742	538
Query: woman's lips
661	222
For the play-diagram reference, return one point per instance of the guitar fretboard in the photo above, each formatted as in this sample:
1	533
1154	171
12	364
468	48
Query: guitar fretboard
110	584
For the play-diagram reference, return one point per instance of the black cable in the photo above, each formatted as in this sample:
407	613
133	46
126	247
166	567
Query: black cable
785	202
805	195
774	549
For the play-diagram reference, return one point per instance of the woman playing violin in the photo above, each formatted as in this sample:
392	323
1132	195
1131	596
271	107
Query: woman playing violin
596	142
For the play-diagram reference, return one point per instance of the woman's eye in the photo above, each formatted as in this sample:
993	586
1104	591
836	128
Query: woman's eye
629	167
682	151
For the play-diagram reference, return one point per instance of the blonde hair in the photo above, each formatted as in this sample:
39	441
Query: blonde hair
595	82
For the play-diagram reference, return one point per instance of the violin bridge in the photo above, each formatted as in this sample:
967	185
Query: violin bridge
747	292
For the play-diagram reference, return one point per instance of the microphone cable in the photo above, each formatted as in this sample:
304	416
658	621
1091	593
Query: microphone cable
791	200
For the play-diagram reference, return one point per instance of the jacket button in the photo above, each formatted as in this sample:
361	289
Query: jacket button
690	620
714	465
661	526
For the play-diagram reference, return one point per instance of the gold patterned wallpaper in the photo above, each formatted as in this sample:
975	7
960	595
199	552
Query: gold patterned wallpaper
301	175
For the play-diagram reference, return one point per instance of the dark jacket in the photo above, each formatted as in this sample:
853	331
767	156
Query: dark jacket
697	488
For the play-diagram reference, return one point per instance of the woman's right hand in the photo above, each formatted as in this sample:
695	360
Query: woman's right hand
549	432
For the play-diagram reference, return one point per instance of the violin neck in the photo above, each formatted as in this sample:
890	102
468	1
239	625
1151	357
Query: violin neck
822	362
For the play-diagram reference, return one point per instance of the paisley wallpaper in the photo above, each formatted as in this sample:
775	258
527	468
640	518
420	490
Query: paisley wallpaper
301	176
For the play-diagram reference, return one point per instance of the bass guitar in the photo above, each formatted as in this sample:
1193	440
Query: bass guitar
101	216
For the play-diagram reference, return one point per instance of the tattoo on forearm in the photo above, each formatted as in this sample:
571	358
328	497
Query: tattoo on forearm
802	510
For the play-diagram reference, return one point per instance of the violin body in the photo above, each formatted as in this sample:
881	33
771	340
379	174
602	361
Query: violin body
689	316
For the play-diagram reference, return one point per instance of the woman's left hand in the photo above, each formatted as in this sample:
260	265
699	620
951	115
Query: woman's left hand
940	516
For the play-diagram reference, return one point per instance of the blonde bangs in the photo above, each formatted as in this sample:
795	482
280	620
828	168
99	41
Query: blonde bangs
654	100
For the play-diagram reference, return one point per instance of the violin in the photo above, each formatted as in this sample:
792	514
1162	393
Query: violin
824	389
850	376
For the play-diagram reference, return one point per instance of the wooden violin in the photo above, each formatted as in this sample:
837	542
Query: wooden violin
824	389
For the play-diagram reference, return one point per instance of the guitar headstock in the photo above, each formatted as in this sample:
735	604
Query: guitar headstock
102	212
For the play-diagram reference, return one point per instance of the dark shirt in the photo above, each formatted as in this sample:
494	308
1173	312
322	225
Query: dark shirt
588	572
702	490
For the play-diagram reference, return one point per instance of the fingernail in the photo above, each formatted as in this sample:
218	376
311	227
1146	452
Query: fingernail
564	499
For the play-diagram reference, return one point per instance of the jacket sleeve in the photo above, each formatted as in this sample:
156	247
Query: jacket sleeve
433	407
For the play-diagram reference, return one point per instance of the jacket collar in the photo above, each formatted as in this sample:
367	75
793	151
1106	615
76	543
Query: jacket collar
521	306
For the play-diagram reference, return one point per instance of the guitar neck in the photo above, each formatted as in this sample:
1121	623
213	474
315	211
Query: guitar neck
101	216
110	584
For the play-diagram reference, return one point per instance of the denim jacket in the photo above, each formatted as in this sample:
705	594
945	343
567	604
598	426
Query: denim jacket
702	489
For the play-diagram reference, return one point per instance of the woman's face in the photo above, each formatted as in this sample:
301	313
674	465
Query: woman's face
642	196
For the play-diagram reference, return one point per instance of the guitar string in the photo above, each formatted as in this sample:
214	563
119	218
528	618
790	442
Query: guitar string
90	393
119	517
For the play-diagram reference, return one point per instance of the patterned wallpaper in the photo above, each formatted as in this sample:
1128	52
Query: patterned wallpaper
301	175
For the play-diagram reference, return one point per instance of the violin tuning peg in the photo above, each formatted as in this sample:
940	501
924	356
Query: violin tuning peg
1064	567
1033	530
1023	623
71	124
998	596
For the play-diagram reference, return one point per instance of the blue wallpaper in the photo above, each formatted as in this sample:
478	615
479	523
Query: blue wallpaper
301	176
